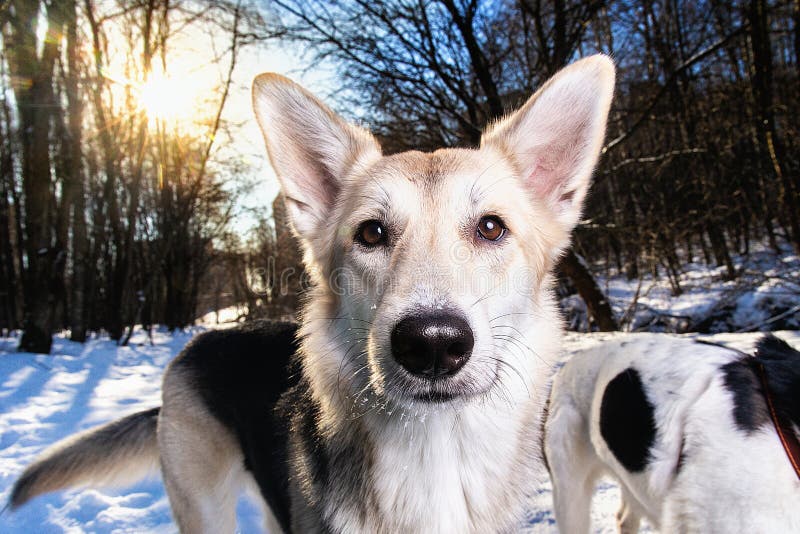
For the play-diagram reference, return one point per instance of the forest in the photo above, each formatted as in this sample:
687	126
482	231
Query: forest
119	212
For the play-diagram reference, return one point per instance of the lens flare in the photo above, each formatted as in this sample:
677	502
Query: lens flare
166	98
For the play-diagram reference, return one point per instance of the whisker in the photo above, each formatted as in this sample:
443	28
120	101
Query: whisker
517	341
512	313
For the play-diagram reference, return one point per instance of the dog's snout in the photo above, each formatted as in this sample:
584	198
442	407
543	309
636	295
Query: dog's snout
432	345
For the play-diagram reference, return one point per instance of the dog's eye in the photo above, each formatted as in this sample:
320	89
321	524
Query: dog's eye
371	233
491	228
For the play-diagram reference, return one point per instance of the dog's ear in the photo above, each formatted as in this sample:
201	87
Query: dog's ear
310	147
556	137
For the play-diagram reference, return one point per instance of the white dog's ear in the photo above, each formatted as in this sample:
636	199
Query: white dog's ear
310	147
556	137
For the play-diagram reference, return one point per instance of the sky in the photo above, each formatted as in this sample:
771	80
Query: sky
271	57
185	93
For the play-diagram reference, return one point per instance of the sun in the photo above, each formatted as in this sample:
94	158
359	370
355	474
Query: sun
166	98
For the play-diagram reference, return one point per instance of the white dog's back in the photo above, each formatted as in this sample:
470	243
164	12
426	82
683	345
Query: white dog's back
682	426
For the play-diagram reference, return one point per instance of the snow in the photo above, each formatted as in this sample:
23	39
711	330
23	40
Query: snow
764	296
224	318
44	398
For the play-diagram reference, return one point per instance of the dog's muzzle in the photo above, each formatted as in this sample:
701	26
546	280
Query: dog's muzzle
432	346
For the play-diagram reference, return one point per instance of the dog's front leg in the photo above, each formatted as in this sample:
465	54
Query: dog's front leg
573	467
201	462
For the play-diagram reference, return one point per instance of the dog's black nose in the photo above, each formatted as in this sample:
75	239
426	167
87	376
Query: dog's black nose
432	345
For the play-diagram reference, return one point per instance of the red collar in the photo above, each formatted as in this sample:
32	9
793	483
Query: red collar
782	426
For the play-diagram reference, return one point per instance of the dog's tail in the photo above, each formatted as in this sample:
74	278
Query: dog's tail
119	452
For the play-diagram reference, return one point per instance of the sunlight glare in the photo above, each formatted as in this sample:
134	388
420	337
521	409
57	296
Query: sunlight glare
167	98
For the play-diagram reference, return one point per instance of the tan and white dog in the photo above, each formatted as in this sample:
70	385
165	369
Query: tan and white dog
415	398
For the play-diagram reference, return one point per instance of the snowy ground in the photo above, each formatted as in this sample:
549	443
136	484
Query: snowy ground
764	296
46	398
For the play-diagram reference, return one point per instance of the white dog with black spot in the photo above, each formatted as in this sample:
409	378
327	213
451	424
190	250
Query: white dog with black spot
687	430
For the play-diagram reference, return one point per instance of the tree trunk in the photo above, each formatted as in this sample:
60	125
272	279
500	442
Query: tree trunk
80	245
8	272
35	102
598	306
771	146
10	295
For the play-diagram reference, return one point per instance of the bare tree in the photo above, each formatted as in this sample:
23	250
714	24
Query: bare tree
107	220
33	93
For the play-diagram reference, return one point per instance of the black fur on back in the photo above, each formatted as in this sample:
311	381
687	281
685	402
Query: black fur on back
782	367
749	405
627	420
241	374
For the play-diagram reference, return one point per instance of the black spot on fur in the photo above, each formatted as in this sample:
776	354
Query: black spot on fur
627	422
749	406
782	367
241	374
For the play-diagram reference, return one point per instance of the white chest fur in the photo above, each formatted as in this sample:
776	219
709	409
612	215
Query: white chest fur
449	472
